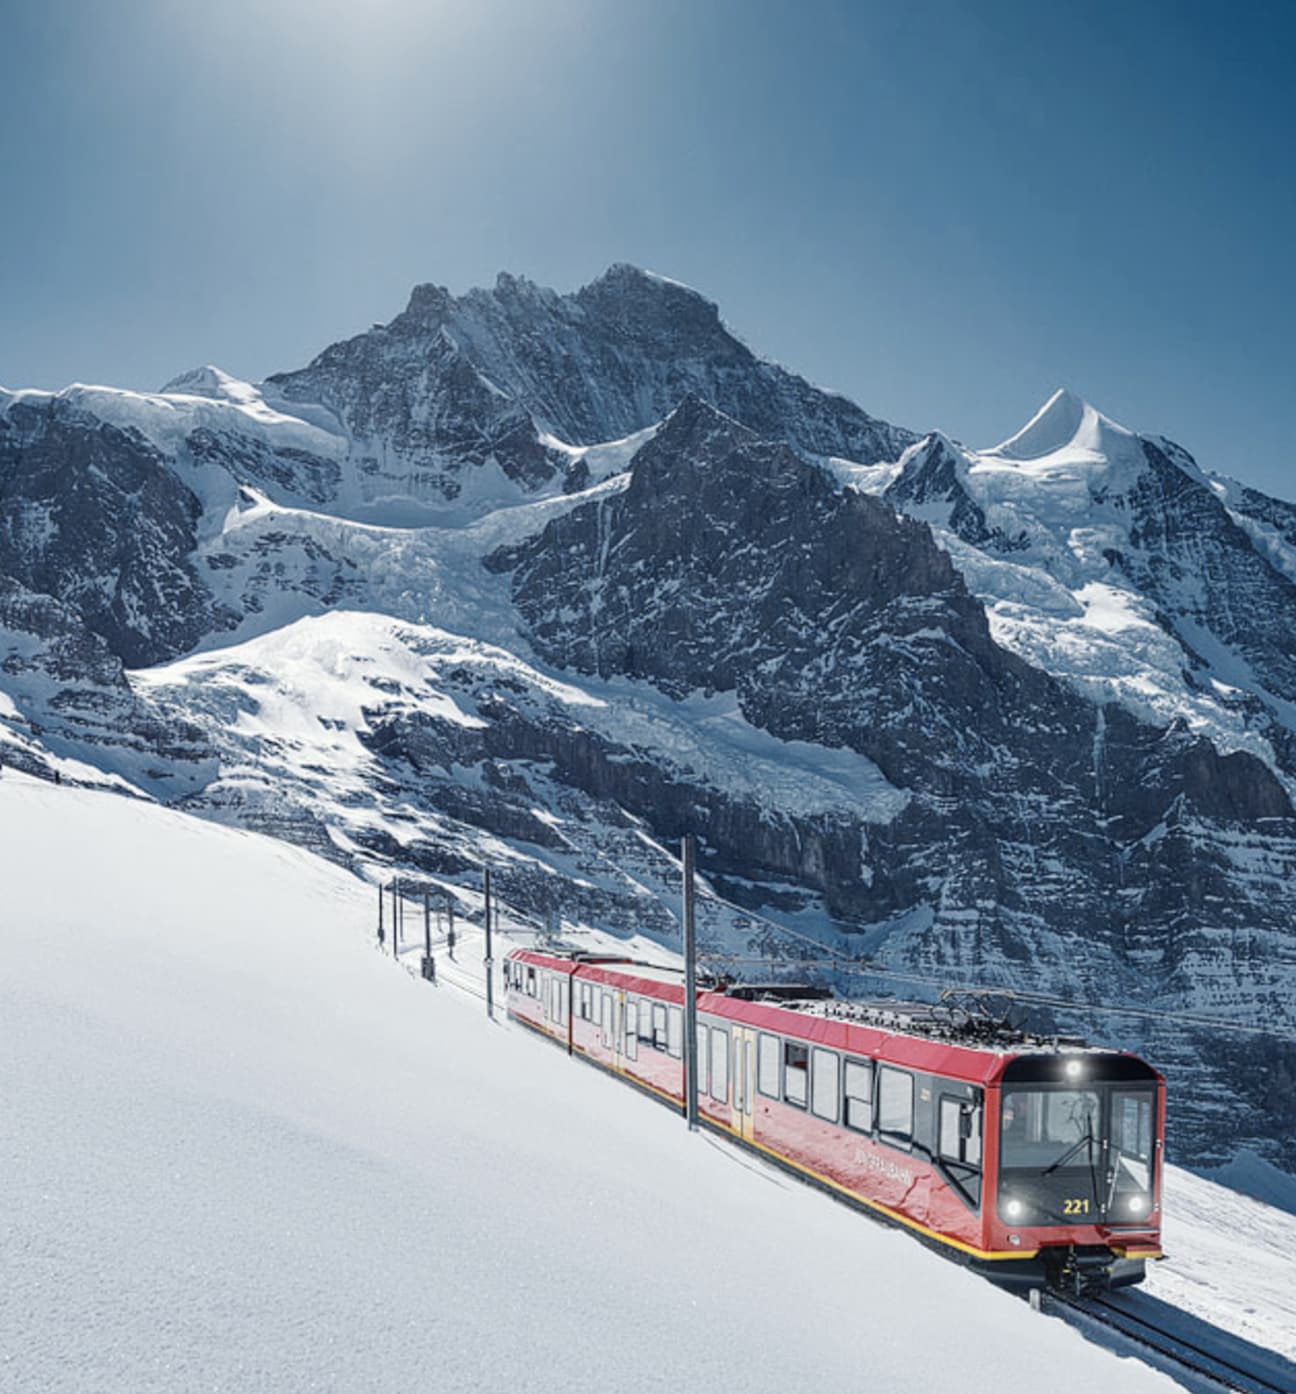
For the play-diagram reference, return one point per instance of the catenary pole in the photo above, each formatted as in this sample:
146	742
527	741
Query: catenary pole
490	994
382	896
429	966
690	992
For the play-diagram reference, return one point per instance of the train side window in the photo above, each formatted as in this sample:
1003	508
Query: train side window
859	1095
1132	1114
796	1069
720	1064
631	1029
767	1065
645	1021
659	1026
972	1142
703	1057
675	1032
531	982
960	1131
895	1110
825	1083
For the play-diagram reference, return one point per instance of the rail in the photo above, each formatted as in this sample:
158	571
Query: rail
1244	1369
1241	1368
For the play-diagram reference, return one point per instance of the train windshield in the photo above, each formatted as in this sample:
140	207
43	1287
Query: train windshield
1071	1155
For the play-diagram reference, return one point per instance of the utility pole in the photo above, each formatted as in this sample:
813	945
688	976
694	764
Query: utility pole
382	896
395	920
429	964
690	992
490	991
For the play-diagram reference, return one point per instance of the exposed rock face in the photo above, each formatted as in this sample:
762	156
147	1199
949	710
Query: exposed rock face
731	564
73	695
932	477
493	375
284	471
93	515
1188	554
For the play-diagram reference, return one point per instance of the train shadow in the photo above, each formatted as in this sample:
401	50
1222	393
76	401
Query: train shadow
1254	1366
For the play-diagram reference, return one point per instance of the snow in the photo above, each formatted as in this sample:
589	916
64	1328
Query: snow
301	695
1230	1261
1064	421
1055	497
168	419
243	1151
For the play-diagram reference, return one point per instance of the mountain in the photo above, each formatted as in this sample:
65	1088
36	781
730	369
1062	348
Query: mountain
457	400
546	581
1112	560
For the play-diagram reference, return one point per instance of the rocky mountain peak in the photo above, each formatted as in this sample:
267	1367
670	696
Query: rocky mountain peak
932	485
503	378
625	288
695	421
428	308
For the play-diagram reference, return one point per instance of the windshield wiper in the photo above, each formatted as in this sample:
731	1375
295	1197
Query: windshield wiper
1087	1140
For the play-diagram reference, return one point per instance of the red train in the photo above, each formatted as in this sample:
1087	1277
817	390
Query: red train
1036	1161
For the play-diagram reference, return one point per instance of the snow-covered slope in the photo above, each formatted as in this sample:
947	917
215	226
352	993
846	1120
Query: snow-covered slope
368	738
243	1151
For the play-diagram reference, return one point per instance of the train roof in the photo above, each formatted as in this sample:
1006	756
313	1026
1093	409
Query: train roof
954	1039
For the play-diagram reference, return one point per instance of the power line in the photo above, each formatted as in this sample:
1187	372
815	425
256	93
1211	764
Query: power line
858	968
853	968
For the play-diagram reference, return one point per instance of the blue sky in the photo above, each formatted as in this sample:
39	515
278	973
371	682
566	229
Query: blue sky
944	210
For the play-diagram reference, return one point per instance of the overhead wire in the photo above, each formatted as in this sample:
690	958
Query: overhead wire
855	967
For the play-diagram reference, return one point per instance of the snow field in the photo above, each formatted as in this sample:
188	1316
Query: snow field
243	1151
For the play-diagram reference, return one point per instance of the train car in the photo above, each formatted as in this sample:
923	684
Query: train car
1037	1161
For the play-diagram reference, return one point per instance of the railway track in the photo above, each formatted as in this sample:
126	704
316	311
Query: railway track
1183	1352
1227	1363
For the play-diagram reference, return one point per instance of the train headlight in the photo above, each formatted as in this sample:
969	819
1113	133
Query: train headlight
1014	1208
1074	1069
1137	1204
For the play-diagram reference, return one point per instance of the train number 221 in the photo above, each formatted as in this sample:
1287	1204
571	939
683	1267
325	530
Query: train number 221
1078	1206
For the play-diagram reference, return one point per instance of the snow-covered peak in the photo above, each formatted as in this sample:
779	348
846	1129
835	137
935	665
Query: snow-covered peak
1066	456
211	381
1065	424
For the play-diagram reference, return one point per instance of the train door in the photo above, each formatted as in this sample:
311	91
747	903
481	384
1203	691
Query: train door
744	1081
